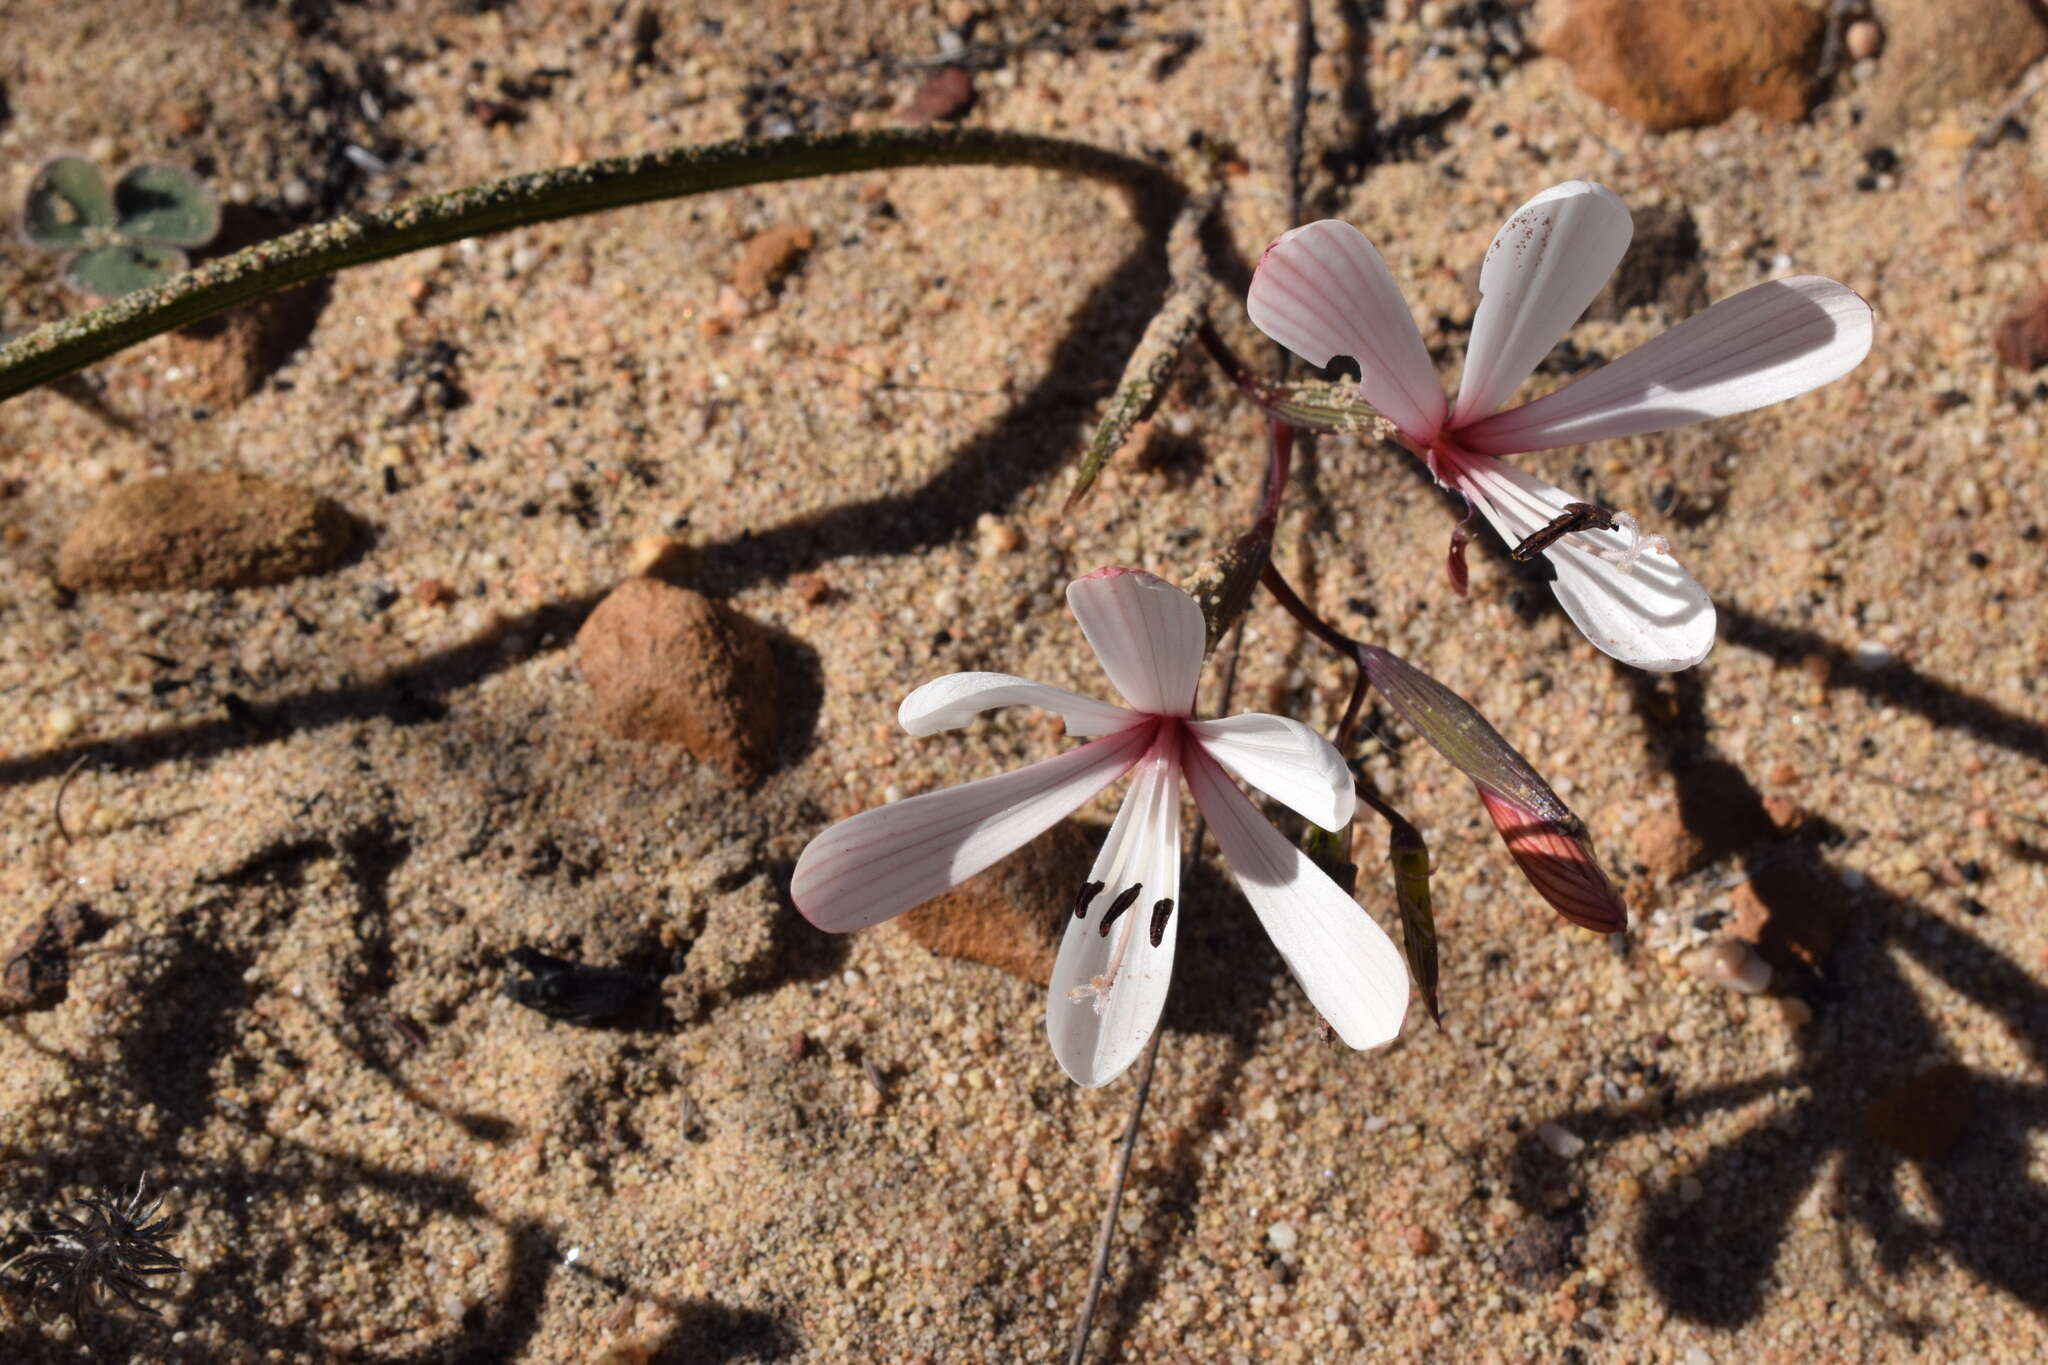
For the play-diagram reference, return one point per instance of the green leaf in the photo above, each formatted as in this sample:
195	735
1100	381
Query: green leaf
1409	856
166	206
122	268
65	202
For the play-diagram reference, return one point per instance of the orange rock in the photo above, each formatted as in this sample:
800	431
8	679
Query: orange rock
219	530
769	257
1666	847
1686	63
668	665
1942	53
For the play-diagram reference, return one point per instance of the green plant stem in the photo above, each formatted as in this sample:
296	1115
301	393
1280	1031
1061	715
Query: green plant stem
69	344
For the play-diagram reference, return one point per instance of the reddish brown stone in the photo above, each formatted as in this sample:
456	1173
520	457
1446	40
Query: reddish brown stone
1666	847
2021	341
1686	63
668	665
1792	910
947	93
1923	1116
1942	53
222	530
769	257
1011	916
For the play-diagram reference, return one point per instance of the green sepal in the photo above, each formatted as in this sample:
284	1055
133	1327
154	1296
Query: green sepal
165	206
122	268
66	201
1409	857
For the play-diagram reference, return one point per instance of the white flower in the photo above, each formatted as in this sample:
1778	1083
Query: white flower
1109	983
1323	291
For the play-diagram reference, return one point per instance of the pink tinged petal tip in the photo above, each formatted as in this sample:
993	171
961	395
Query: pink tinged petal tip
1287	761
1626	593
1110	980
1543	268
1768	343
882	862
953	701
1323	291
1147	634
1346	964
1558	861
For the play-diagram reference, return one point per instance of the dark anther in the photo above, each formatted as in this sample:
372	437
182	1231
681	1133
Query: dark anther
1089	891
1123	902
1577	516
1161	912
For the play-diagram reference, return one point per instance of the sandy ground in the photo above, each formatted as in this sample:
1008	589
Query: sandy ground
316	820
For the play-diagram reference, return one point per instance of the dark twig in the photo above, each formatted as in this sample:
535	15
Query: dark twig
57	805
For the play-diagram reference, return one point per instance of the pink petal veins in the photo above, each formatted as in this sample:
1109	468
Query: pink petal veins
882	862
1322	291
1768	343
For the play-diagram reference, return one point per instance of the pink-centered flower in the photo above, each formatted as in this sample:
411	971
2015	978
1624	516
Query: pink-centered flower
1322	291
1109	981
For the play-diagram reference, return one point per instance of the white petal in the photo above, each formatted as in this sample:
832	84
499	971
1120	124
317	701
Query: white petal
1655	616
1349	968
1143	848
1545	265
1323	290
883	861
1287	761
1147	633
1765	345
952	701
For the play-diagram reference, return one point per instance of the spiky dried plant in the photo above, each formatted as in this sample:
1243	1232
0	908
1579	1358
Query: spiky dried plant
107	1247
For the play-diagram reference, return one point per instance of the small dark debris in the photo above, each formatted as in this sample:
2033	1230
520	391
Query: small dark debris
1883	160
1975	908
38	971
1973	871
1948	400
1541	1254
573	992
1979	560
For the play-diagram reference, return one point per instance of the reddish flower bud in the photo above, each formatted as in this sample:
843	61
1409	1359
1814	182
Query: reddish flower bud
1558	860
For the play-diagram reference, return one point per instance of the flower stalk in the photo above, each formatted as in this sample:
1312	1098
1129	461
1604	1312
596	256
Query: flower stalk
70	344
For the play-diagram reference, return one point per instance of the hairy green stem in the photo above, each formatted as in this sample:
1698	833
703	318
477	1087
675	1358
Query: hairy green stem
69	344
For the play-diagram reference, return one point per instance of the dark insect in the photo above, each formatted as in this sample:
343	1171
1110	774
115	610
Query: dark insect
110	1248
1577	516
572	992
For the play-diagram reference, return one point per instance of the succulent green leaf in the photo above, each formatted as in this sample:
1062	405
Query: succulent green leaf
65	202
166	206
1409	856
1460	734
122	268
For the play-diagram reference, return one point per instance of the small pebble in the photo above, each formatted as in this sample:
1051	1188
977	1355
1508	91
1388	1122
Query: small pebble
1283	1237
1864	39
1561	1141
1731	963
1871	655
